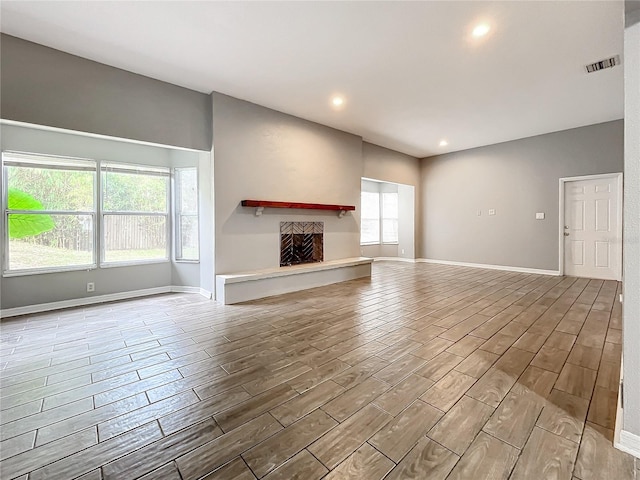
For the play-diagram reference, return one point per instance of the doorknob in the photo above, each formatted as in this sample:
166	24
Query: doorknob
566	234
566	227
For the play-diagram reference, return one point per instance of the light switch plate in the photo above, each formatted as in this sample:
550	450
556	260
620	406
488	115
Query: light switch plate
540	216
492	211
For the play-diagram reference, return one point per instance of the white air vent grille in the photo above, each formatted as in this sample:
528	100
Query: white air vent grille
602	64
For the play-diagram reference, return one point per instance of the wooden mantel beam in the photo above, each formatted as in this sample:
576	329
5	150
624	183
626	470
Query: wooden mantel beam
262	204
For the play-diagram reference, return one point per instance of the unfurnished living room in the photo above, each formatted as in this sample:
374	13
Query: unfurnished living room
320	240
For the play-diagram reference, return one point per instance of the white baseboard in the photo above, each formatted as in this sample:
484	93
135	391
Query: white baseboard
506	268
111	297
628	442
205	293
394	259
198	290
623	440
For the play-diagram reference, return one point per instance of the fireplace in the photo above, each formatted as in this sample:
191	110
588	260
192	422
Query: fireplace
301	242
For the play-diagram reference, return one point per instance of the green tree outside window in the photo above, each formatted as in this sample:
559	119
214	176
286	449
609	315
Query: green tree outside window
23	225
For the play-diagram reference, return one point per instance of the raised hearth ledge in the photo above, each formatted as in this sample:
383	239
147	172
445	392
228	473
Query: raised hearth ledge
244	286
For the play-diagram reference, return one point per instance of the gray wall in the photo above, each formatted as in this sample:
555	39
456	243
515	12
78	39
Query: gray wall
44	86
631	12
631	245
207	222
375	251
406	221
517	179
387	165
263	154
18	291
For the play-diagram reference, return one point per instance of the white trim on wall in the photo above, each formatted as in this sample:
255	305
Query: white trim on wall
624	440
198	290
111	297
95	135
506	268
394	259
562	181
629	443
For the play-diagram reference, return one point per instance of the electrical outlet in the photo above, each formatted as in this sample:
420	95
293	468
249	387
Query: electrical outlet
402	252
492	211
91	287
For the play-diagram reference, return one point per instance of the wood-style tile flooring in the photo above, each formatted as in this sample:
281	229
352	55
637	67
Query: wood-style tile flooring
421	372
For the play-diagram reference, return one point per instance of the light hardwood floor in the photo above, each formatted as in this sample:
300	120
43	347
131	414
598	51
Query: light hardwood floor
422	372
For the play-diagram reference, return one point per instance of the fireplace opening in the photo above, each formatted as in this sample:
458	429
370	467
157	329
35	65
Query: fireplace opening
301	242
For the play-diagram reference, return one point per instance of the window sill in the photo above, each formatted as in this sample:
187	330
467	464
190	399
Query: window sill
389	243
187	261
133	263
369	244
44	271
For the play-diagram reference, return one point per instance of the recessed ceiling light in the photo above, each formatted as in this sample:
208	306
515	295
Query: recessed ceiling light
481	30
443	143
337	101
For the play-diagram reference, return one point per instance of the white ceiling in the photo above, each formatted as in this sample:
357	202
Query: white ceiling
409	71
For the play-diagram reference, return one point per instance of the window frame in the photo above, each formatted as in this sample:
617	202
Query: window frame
136	169
378	241
56	163
97	215
383	218
178	214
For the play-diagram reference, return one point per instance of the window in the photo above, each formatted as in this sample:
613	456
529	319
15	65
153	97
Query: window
50	213
389	217
72	214
186	198
135	213
379	218
370	218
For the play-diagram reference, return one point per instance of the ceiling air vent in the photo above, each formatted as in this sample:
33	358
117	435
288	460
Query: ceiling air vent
602	64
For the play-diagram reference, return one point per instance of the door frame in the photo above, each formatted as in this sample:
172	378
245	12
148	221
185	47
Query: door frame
563	181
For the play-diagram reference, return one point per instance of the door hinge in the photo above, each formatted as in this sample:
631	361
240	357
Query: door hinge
622	395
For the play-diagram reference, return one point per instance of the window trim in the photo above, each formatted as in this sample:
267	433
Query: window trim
383	218
67	163
131	263
41	271
134	169
177	213
379	219
97	215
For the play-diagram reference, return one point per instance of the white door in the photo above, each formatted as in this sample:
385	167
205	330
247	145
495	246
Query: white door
592	228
